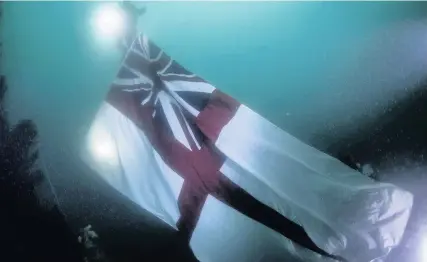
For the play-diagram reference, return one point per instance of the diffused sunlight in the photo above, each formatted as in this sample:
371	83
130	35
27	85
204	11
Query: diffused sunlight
102	146
108	22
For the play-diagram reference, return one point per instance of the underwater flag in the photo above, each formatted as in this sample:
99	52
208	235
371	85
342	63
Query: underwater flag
237	186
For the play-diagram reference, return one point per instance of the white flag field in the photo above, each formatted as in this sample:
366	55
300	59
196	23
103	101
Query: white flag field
236	186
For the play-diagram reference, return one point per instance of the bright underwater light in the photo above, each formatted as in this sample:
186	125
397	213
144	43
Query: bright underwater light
102	145
108	21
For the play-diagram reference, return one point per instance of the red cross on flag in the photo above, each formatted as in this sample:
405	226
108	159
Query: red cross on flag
238	187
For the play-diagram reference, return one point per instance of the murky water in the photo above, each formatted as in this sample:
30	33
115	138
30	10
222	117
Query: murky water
322	71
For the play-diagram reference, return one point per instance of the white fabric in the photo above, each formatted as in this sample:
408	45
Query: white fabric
343	212
223	234
136	170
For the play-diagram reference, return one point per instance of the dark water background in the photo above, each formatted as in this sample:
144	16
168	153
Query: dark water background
342	76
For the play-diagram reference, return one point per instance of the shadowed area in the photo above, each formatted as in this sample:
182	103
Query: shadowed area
395	144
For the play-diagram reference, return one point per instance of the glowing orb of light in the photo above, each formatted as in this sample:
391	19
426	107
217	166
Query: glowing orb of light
102	146
108	21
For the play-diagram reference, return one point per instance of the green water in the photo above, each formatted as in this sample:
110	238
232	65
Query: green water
306	66
319	70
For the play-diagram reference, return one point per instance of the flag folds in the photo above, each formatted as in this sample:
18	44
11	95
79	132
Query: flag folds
238	187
